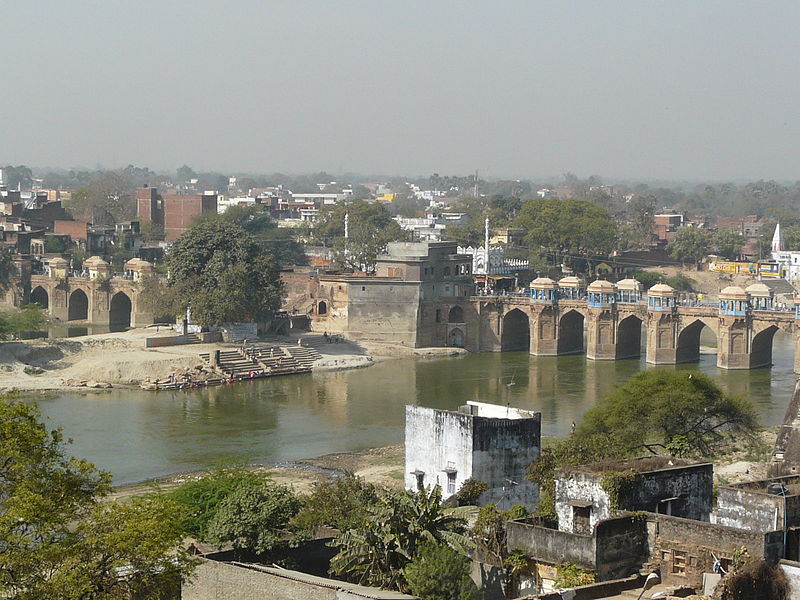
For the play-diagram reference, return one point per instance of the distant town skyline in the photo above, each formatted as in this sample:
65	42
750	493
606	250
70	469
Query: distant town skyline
631	90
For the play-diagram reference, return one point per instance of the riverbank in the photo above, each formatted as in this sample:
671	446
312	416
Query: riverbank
95	362
384	467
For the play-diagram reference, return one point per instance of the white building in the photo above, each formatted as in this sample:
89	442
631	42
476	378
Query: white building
789	260
494	261
493	444
320	199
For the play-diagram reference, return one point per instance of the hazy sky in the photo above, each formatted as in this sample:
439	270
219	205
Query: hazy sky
670	89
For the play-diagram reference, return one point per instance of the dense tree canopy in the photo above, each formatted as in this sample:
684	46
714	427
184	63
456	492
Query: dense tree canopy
219	271
370	229
57	540
440	573
253	518
682	413
571	229
256	220
690	244
728	243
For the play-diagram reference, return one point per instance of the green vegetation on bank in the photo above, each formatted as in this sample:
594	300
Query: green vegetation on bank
59	539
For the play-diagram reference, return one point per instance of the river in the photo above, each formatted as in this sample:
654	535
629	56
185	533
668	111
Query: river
138	435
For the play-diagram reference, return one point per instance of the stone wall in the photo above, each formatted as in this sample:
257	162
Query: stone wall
552	546
690	486
685	549
238	581
502	452
750	506
618	548
383	311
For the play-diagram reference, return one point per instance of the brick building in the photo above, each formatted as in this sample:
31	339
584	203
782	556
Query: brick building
174	212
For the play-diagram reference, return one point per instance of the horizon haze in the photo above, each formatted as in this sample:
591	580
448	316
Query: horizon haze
634	89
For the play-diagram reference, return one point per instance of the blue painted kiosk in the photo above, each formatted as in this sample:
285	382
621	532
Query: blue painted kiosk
544	290
629	290
734	301
602	294
761	297
661	297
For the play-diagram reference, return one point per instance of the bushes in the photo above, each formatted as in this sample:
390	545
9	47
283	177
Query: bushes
201	498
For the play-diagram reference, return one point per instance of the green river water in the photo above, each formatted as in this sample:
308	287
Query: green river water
138	435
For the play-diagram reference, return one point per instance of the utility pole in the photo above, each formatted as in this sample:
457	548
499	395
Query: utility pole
485	246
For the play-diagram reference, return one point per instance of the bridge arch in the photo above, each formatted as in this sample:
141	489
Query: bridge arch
456	315
78	306
120	310
516	331
570	333
629	337
40	296
687	348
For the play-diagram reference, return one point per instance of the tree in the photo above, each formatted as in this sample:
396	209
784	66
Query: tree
219	271
571	228
489	535
683	413
378	553
728	243
7	268
254	518
200	499
641	212
184	174
57	540
19	176
370	229
29	318
343	503
257	221
108	199
127	550
690	245
648	278
440	573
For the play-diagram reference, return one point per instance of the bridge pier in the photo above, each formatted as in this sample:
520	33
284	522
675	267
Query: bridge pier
544	330
601	333
733	343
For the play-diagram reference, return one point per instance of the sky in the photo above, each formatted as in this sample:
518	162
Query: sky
675	90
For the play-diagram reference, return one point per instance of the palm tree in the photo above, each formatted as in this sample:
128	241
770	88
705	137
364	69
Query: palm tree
378	554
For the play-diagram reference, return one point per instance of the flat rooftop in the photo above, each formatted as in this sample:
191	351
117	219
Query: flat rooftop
496	411
644	464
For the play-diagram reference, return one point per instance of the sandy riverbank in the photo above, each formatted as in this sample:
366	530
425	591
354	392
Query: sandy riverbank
121	360
381	466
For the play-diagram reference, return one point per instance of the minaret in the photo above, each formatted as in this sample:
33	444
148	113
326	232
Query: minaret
777	239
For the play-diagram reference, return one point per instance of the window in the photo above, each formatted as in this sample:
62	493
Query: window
581	516
438	315
363	288
451	482
420	481
447	271
678	562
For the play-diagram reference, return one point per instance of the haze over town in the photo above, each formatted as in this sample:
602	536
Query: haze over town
631	89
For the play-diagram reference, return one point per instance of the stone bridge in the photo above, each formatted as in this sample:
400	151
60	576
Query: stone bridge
95	296
613	331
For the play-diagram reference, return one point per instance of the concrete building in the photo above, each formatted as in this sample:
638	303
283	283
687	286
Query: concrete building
659	484
407	301
762	506
174	212
491	443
